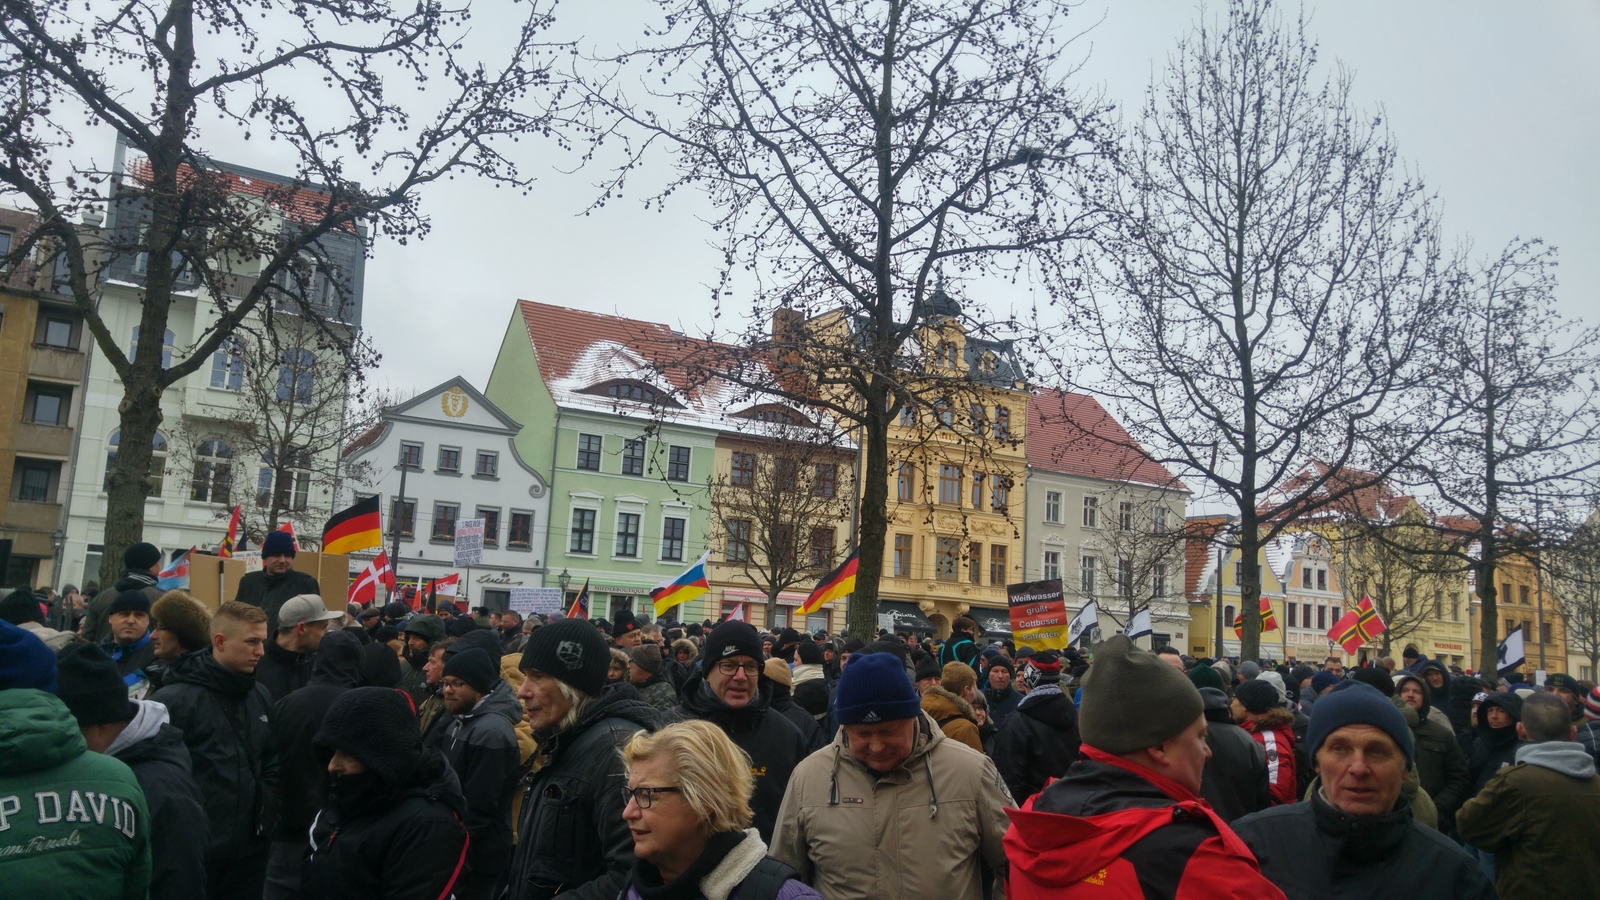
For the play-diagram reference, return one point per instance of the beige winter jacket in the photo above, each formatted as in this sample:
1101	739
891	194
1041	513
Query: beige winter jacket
852	833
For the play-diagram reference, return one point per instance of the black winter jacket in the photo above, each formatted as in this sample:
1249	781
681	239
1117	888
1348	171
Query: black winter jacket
257	589
1037	742
97	624
775	745
177	814
1234	781
1488	750
1315	852
571	836
482	749
1441	765
961	647
282	672
1459	708
405	844
225	718
302	770
804	721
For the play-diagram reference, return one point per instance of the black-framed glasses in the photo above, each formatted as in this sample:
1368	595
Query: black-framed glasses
730	668
644	796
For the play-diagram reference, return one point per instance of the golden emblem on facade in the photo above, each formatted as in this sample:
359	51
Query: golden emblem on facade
454	402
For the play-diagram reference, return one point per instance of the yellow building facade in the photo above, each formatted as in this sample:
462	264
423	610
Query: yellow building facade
1523	601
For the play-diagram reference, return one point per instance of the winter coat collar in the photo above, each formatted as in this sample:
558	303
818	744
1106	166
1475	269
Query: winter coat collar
1364	838
943	697
146	722
132	581
202	669
1566	757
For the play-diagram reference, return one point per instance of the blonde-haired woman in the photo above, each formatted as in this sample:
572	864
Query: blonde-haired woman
687	805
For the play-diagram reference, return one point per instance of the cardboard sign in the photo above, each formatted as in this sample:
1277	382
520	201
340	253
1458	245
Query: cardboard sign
1038	614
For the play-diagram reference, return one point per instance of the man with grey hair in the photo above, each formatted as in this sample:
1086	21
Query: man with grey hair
1540	817
571	838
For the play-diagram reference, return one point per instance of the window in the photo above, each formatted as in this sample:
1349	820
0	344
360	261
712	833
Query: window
945	353
582	538
444	521
589	452
738	548
1505	591
1322	579
1002	423
1438	604
158	462
1228	613
780	546
826	481
1158	580
822	548
975	562
294	491
520	535
633	457
410	455
1125	515
1522	594
1455	607
450	459
491	526
947	558
297	372
941	409
1544	632
488	465
1322	617
787	475
997	564
1052	507
1158	519
1305	578
213	472
908	415
227	365
977	490
1091	512
1052	564
403	513
672	532
1000	492
33	481
677	463
1088	566
742	472
903	486
48	406
631	391
168	339
1125	579
950	485
627	543
902	556
975	417
58	333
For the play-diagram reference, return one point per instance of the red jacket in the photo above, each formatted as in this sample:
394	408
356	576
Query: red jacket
1275	734
1111	830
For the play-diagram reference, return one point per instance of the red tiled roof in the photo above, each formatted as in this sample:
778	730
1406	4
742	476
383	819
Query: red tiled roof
560	335
1073	434
302	204
1374	501
1201	531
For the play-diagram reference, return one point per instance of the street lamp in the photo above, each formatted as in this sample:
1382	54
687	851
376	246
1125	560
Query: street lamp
57	541
564	579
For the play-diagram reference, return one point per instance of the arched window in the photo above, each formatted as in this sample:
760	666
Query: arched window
158	461
168	339
213	472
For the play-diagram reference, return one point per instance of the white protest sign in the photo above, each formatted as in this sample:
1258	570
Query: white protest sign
535	600
469	543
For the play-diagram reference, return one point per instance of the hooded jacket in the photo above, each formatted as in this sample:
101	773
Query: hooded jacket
97	615
1441	765
43	760
1234	781
1113	829
773	742
1541	818
1491	749
1315	852
303	772
154	751
1274	731
571	838
1038	741
953	715
481	746
401	842
225	718
925	829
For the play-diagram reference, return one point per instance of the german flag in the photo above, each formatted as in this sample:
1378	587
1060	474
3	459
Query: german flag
835	584
356	528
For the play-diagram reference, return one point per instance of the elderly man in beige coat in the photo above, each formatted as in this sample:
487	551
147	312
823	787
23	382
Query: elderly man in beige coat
892	808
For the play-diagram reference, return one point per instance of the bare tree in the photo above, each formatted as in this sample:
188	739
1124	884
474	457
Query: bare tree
852	149
159	73
1262	293
783	506
1402	564
1575	571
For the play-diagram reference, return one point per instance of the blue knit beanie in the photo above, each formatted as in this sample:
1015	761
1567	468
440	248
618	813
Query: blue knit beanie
277	543
1323	680
25	662
874	688
1354	703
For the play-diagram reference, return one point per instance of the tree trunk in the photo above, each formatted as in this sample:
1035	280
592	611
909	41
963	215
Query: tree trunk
1249	584
128	481
1489	621
862	620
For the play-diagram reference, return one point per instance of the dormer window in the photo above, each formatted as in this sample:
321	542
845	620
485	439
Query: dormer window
631	391
775	415
986	363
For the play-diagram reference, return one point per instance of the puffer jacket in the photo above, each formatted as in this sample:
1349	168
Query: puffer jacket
303	771
1234	781
1111	829
97	615
571	838
1038	742
925	829
1275	732
96	844
774	744
401	842
1540	818
481	746
953	715
154	750
1315	852
226	720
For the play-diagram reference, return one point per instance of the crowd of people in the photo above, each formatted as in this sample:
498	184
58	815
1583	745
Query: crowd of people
277	748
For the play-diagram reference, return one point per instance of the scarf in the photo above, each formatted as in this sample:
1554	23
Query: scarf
647	878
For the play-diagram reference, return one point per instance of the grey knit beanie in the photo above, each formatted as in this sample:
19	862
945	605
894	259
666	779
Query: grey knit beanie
1132	699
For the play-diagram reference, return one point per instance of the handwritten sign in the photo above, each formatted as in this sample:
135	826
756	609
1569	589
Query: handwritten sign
1038	614
535	600
469	543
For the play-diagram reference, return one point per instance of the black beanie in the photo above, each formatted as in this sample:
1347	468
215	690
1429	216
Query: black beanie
475	667
21	606
854	645
88	683
1256	696
928	667
731	639
379	666
570	651
141	556
810	653
460	626
130	601
1372	676
1133	699
482	639
378	726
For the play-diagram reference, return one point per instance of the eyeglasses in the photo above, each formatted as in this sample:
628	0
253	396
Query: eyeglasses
730	668
644	796
453	683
